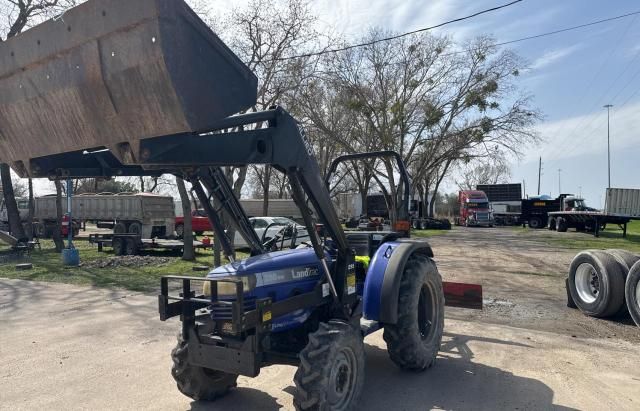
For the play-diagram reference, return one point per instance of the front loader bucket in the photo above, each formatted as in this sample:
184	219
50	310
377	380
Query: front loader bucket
111	72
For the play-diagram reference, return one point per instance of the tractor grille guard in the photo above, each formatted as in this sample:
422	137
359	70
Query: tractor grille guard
258	317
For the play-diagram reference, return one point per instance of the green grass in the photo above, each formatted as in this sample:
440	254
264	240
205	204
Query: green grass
427	233
47	266
609	238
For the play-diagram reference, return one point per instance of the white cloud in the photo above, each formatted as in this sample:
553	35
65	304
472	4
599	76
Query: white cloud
587	134
553	56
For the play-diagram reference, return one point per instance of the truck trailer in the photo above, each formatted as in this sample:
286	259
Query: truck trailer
621	206
505	202
144	214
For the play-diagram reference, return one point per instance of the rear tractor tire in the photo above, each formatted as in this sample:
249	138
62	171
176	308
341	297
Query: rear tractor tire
552	224
197	382
414	341
331	371
596	283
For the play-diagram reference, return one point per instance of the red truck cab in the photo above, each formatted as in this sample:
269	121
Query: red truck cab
474	209
199	223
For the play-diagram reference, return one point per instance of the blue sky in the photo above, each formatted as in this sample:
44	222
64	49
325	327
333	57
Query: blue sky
572	75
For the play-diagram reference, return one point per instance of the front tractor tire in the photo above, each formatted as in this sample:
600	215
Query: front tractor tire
197	382
331	371
414	341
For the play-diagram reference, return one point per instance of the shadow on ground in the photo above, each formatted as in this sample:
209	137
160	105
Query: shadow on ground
455	383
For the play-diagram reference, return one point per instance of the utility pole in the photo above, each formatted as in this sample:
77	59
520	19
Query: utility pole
524	186
559	187
539	174
608	107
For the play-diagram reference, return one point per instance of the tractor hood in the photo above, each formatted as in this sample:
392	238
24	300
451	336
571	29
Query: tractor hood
269	262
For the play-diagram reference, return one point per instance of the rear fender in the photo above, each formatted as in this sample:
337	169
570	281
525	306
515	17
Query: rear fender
382	283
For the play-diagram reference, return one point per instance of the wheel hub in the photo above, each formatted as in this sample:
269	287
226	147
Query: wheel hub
342	379
587	283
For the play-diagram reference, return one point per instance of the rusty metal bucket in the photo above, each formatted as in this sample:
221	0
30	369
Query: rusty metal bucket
111	72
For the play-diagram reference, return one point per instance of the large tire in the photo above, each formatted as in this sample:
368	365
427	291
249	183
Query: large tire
331	371
179	231
561	225
120	228
197	382
596	282
551	224
135	228
627	258
632	292
414	341
130	246
118	246
535	223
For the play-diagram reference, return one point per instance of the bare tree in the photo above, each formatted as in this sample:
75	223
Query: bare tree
263	35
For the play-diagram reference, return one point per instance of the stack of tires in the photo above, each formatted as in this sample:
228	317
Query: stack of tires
605	283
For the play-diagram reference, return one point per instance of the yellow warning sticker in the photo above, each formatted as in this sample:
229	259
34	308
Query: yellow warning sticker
351	284
266	316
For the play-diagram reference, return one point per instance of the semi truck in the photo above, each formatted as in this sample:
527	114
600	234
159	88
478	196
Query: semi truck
474	209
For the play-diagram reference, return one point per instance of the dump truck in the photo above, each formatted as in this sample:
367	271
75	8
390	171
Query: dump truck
145	87
144	214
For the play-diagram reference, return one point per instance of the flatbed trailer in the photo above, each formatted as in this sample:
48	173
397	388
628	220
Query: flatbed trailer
593	221
131	244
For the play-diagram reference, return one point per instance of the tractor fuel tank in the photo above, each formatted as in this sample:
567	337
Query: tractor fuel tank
108	73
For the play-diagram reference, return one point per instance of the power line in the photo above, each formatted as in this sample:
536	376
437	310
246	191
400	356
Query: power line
504	43
370	43
586	92
550	33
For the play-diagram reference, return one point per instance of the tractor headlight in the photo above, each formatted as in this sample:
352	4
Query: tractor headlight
228	289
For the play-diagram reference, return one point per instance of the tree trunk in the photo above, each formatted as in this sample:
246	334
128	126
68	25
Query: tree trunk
217	253
32	209
13	214
188	253
57	232
265	189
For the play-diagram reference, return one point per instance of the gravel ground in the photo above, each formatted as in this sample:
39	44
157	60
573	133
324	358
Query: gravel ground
68	347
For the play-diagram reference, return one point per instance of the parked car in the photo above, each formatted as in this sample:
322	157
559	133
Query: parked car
269	227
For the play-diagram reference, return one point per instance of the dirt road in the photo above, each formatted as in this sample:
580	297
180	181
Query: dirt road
68	347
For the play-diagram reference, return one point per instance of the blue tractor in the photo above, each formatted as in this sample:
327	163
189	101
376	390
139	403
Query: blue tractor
310	305
146	88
